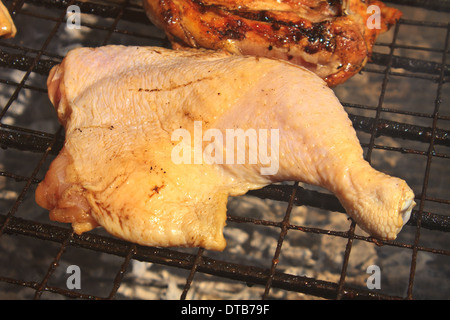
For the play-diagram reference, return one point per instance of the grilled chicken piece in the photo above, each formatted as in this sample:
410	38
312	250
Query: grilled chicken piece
330	38
123	109
7	27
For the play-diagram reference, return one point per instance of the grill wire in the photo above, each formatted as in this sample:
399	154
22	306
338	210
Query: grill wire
385	128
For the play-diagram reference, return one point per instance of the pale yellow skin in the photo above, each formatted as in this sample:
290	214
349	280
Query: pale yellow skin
120	105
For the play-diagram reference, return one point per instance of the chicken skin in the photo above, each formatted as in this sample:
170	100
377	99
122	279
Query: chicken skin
135	117
334	39
7	26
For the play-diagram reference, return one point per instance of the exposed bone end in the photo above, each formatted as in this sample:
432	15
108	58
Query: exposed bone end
408	205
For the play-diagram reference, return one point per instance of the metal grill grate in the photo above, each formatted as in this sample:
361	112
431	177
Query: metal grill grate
403	128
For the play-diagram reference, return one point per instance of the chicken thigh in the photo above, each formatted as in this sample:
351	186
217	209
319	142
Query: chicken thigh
334	39
7	26
155	138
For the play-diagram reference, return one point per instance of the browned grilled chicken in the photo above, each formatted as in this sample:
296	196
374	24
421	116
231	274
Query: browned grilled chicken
123	109
7	27
332	38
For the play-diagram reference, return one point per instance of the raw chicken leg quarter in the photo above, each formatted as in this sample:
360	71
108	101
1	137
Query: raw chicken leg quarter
121	105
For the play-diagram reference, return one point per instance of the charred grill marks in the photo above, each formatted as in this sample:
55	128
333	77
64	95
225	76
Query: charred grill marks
317	34
233	29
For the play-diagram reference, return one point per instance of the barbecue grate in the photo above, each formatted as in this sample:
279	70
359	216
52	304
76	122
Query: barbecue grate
301	246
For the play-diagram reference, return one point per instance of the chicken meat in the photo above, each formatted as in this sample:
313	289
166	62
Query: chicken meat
7	26
334	39
147	153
